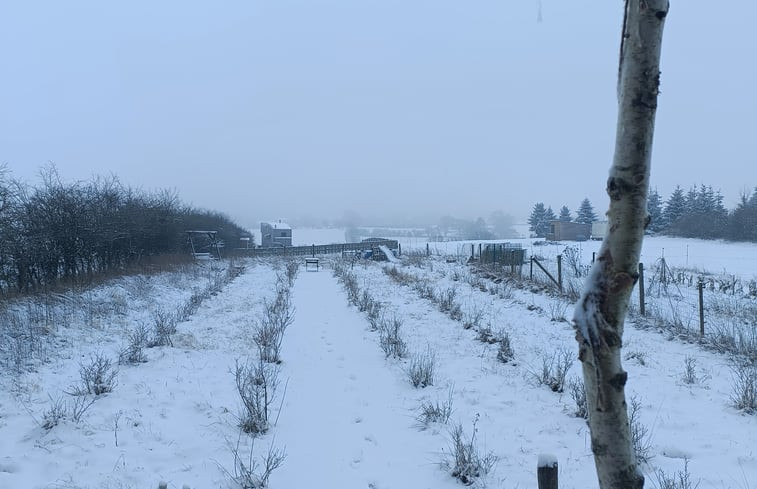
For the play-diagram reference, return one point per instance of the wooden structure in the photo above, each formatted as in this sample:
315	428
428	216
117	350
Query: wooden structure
204	244
568	231
310	263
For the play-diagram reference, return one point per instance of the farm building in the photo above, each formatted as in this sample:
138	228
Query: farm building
568	231
275	234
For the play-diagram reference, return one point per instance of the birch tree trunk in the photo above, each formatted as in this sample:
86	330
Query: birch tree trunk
601	311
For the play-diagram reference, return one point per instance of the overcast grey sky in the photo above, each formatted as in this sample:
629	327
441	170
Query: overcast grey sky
263	109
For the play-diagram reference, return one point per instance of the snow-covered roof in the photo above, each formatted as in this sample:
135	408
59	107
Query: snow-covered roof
278	225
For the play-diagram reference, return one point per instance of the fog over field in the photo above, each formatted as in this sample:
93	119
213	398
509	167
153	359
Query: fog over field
389	109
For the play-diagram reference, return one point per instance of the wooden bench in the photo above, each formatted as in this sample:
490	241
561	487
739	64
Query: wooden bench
310	262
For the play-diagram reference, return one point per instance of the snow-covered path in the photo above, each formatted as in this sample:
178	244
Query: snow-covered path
347	418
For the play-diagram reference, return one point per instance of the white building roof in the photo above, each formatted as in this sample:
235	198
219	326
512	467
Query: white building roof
277	225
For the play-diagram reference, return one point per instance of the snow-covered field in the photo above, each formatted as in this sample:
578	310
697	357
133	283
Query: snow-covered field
344	413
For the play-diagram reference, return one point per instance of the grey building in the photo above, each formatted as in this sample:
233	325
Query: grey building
275	234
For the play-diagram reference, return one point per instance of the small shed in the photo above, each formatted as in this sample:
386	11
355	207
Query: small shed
568	231
275	234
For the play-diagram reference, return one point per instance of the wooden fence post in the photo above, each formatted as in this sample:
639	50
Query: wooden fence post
642	306
546	471
700	286
559	272
531	271
427	250
472	250
479	252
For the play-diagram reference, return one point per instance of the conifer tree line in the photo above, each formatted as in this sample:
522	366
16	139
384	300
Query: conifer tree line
696	213
56	231
700	213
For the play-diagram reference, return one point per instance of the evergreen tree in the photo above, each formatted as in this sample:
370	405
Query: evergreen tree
549	216
692	201
753	200
675	208
705	216
586	213
565	214
539	220
654	208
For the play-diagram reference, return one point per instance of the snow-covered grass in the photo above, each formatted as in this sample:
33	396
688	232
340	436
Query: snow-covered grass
497	384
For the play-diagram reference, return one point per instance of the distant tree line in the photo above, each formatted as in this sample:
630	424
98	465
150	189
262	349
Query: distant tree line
541	216
57	232
700	213
696	213
498	226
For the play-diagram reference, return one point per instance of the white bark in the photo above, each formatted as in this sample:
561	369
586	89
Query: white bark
601	311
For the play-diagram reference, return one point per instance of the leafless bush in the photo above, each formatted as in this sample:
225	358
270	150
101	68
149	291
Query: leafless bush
190	306
689	370
352	287
577	392
60	410
572	258
22	341
465	461
54	414
79	405
744	385
475	282
639	356
680	479
505	290
420	372
374	314
729	337
416	258
402	278
505	352
251	474
473	318
134	351
425	290
435	412
268	338
256	385
446	299
487	335
292	269
97	377
268	333
365	301
390	337
554	369
164	325
557	310
640	436
572	288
